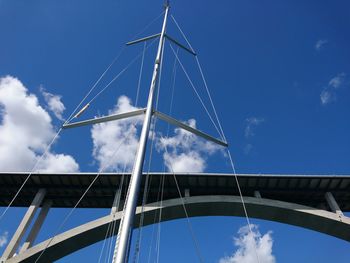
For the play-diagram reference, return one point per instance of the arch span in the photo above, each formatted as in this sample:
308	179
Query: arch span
273	210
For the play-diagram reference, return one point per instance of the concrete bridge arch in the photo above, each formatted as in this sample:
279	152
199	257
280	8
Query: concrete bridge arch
330	223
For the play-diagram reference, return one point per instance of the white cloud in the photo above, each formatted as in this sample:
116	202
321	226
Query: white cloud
4	239
54	103
185	151
320	44
328	93
251	123
337	81
115	143
26	130
248	148
190	162
58	163
250	246
326	96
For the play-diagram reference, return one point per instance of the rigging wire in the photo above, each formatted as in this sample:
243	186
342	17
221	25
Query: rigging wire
95	84
144	198
163	179
160	184
70	118
153	128
157	214
159	190
242	201
116	202
140	75
223	135
202	75
57	134
114	60
114	229
154	224
174	71
196	243
138	88
195	90
136	103
232	164
185	210
148	25
55	137
127	196
177	186
60	129
160	76
147	183
160	218
30	174
145	28
157	246
209	95
83	195
120	73
182	33
104	242
120	188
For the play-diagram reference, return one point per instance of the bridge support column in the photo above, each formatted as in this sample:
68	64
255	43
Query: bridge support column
13	244
116	201
333	204
257	194
37	226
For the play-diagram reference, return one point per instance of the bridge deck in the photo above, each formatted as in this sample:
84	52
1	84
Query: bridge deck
65	189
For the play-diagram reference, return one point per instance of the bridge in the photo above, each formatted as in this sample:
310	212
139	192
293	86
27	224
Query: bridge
315	202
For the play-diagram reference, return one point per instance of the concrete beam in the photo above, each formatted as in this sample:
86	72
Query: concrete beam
37	226
333	204
13	244
257	194
116	201
289	213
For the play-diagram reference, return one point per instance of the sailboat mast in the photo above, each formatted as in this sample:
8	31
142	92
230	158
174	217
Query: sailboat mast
124	234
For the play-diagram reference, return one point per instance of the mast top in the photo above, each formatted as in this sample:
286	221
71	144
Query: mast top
166	4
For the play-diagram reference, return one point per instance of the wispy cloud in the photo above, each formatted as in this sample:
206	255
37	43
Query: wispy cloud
185	152
115	143
327	96
249	131
250	246
337	81
329	93
320	44
26	130
4	239
251	124
247	148
54	103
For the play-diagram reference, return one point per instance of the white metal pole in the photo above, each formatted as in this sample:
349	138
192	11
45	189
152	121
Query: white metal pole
126	225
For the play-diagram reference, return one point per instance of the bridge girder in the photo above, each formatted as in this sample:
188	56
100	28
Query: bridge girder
298	215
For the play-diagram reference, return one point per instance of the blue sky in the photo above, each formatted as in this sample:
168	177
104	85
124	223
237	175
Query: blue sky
278	71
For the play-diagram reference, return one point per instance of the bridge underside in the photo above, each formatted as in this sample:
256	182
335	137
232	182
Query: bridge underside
313	202
289	213
65	189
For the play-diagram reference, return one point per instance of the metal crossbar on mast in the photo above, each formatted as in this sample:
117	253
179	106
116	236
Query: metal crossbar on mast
124	234
123	241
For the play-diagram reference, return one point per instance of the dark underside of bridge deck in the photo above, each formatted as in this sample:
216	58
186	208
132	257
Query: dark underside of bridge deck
66	189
